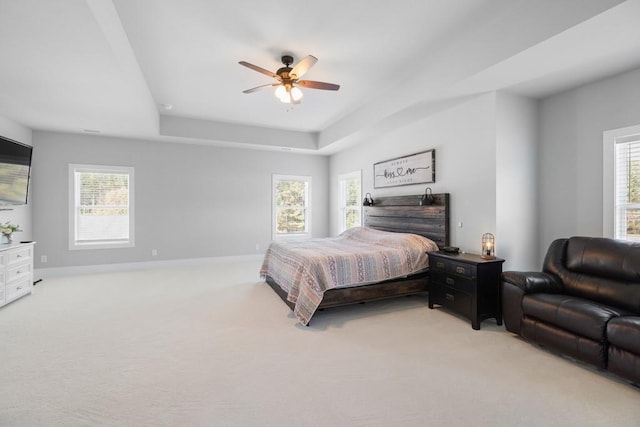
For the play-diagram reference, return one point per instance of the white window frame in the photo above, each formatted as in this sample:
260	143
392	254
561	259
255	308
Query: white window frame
342	180
291	236
609	208
74	196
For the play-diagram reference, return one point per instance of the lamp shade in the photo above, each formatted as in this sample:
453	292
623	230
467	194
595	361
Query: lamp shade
488	246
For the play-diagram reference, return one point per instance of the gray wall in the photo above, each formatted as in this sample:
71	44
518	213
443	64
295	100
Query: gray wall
571	145
506	175
191	201
516	181
463	136
485	158
20	215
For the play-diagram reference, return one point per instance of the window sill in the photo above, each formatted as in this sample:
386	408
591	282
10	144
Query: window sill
100	245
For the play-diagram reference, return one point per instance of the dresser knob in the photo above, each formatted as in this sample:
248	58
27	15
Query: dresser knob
460	270
450	281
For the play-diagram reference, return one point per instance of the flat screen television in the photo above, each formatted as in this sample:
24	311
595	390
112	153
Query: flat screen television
15	169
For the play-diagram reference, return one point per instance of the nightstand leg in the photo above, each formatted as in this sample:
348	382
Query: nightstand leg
475	324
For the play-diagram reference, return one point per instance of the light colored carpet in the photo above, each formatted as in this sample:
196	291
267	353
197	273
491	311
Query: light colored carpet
213	345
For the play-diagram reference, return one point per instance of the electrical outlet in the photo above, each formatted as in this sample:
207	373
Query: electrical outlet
460	224
43	258
154	252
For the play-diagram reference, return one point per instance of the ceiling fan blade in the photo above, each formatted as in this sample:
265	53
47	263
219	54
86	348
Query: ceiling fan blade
259	69
303	66
317	85
254	89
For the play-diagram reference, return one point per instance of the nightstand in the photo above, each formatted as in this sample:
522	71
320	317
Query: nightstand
466	284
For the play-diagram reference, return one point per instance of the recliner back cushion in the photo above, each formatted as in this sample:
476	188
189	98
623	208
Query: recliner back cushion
614	259
599	269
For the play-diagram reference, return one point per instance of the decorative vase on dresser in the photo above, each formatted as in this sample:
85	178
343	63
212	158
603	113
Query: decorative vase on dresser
16	271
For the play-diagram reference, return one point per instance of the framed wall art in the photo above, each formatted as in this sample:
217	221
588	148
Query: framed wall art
419	168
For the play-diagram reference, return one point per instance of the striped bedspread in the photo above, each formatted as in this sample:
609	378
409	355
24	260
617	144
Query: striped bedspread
360	255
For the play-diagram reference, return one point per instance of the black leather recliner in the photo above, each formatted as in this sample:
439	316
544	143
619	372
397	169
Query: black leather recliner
585	303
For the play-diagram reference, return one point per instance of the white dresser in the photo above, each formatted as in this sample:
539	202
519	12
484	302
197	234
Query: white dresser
16	271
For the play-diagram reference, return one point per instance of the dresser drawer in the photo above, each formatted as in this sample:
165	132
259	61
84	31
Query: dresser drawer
452	281
15	272
19	255
18	289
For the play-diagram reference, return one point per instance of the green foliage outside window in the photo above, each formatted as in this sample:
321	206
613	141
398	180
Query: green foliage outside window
104	194
633	216
352	199
291	197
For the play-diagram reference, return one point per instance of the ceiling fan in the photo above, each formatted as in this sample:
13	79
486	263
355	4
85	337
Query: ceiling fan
289	79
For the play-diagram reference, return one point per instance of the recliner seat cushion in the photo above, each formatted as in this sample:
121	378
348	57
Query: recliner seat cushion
624	332
579	316
563	341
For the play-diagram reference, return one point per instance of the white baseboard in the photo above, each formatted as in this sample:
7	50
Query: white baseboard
43	273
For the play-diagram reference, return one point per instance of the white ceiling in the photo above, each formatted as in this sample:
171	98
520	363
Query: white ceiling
109	66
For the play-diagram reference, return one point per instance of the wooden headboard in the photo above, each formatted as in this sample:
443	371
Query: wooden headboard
403	214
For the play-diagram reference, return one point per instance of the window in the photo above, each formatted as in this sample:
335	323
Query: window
621	179
350	200
291	206
627	189
101	207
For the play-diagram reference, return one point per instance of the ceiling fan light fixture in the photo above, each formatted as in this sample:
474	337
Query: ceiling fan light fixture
289	78
281	93
288	94
296	94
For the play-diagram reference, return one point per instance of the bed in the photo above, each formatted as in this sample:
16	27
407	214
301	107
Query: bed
385	258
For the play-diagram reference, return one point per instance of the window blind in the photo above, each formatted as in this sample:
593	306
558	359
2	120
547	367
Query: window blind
102	207
627	190
350	200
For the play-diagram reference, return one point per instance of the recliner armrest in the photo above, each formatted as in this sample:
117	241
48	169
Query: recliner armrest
533	281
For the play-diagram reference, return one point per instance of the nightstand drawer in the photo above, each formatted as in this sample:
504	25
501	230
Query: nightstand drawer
454	267
437	263
454	299
463	284
465	270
